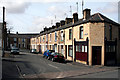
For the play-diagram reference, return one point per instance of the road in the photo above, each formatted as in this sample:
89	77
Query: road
28	65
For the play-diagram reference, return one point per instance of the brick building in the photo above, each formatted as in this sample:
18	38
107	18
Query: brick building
20	40
93	39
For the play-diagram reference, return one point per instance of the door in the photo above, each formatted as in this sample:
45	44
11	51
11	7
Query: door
66	51
55	48
96	55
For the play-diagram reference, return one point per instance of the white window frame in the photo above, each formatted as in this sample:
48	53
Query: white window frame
62	35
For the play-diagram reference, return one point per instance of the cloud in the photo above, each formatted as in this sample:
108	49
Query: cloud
39	23
110	8
57	10
15	7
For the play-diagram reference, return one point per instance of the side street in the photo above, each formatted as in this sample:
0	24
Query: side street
27	65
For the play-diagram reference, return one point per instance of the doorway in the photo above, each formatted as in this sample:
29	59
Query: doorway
66	51
96	55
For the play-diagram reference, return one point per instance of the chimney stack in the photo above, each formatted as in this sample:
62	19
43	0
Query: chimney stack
68	20
53	27
45	29
57	24
16	32
75	17
86	13
9	31
62	22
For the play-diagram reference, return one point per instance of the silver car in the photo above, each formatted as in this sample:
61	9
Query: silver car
14	50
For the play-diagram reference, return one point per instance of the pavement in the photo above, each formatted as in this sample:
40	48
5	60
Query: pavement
28	65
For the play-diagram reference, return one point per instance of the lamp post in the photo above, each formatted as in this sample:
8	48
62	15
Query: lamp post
3	32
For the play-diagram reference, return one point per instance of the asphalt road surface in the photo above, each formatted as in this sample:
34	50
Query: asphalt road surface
28	65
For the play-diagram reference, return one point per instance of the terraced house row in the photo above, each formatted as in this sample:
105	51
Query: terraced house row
93	39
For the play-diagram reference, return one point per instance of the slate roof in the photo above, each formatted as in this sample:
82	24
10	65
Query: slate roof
23	35
93	18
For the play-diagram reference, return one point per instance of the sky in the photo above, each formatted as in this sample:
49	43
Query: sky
32	16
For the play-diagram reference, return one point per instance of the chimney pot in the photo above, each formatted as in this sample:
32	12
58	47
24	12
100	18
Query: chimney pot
86	13
62	22
68	20
57	24
75	17
16	32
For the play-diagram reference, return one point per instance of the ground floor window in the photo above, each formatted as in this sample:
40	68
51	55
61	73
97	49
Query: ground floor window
81	48
110	48
53	48
70	49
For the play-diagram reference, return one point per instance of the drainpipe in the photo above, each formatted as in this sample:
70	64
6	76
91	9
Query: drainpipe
72	45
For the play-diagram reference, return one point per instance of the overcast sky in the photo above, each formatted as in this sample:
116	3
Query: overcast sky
33	16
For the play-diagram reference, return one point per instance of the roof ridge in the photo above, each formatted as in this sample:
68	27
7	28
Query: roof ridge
100	16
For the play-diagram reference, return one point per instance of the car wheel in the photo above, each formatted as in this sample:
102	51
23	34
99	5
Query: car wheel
46	57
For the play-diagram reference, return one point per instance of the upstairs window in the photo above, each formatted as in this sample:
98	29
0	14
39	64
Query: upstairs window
46	37
70	34
110	31
55	36
50	37
40	39
43	38
81	32
61	35
15	39
23	40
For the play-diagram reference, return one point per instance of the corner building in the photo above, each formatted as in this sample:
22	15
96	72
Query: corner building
92	40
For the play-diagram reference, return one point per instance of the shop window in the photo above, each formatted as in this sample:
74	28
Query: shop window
85	48
110	48
81	48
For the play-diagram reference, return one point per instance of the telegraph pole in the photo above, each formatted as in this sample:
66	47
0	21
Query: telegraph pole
3	43
82	6
77	6
71	10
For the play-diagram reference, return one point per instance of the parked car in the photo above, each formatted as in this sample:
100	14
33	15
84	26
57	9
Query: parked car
57	57
33	51
47	53
14	50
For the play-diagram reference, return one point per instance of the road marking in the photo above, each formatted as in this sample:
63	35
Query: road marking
19	71
60	74
53	66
